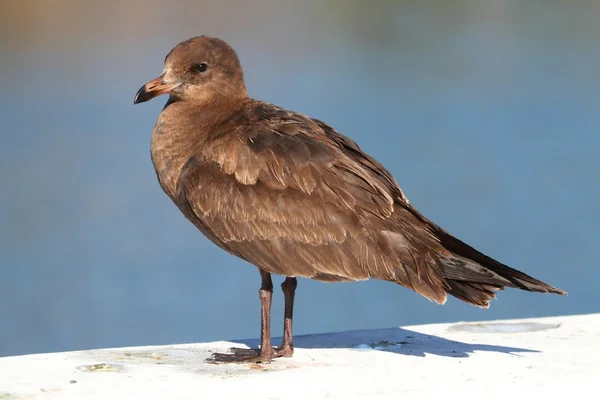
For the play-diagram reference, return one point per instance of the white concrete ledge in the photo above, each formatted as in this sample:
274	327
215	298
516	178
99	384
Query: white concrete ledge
558	356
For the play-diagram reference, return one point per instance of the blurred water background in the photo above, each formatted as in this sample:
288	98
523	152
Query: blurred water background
487	113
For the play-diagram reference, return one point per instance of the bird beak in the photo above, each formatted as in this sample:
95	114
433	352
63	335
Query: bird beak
154	88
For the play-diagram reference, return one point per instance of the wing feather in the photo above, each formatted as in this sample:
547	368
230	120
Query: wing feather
294	197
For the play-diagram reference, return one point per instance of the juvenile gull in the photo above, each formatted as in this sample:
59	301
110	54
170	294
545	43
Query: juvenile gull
291	195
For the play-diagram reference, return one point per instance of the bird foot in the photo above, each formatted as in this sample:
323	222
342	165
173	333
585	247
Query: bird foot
281	351
243	355
285	351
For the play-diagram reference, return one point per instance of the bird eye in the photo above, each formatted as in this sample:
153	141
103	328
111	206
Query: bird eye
202	67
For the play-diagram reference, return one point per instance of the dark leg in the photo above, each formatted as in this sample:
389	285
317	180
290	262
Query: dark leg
289	290
266	352
287	345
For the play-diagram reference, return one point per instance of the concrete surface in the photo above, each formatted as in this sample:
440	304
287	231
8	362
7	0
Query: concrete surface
556	356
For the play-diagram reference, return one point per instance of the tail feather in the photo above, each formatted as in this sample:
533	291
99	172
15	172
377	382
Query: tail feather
474	293
472	266
472	276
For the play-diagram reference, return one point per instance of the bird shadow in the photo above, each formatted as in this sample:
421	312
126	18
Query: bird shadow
393	340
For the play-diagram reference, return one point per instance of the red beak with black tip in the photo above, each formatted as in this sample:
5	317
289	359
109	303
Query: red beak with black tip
154	88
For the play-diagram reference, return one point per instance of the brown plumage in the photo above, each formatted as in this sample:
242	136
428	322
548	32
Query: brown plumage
292	196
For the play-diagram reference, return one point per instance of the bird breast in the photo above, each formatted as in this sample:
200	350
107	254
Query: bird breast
173	143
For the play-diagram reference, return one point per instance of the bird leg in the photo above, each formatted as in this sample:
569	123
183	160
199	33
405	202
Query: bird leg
266	352
287	345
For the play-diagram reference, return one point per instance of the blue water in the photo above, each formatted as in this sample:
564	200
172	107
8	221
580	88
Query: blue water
486	112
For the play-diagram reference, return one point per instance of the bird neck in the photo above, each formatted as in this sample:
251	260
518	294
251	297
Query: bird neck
180	132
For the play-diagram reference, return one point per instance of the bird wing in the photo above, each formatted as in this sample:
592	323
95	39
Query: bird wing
293	197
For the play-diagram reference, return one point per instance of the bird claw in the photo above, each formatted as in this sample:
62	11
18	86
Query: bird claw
242	356
281	351
242	351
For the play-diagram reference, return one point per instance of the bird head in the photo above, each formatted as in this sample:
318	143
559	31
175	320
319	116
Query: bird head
201	70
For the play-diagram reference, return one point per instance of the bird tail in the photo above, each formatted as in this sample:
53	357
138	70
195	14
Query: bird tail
473	277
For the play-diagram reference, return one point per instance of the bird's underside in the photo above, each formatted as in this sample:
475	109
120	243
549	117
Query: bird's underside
292	196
